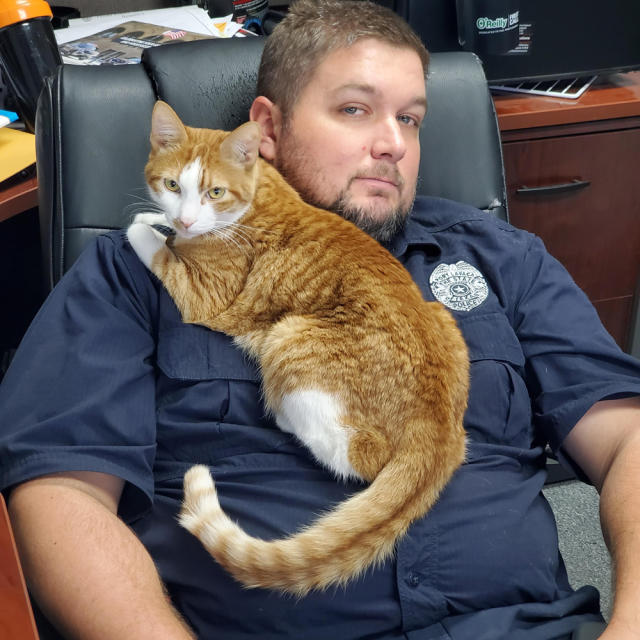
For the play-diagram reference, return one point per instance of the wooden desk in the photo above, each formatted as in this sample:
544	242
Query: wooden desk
616	96
592	226
18	198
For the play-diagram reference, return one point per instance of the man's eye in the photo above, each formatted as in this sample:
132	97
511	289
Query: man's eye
410	120
352	110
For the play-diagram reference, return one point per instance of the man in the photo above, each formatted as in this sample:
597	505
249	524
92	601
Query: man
111	398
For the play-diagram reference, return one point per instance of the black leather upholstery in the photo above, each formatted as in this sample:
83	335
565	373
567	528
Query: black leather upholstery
92	142
93	125
210	83
461	153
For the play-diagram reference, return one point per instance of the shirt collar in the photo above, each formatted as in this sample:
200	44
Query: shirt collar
413	234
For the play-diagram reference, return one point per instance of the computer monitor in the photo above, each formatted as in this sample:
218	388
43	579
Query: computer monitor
557	38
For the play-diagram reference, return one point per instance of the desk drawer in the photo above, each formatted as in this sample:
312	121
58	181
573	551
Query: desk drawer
590	221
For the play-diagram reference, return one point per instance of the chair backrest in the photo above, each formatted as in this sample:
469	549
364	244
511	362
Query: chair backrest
93	123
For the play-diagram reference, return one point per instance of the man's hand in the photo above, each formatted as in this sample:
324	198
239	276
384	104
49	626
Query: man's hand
619	632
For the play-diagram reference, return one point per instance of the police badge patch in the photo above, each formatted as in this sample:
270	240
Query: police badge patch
459	286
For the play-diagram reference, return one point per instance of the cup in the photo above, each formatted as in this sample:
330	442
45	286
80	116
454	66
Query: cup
240	10
217	8
28	52
490	27
246	9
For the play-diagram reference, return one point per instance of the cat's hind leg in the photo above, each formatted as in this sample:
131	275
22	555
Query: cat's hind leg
314	417
146	241
369	452
298	349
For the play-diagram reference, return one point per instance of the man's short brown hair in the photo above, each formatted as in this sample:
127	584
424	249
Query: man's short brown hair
312	30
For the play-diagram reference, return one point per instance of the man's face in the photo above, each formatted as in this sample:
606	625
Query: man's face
351	144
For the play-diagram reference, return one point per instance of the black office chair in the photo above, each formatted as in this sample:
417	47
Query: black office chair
93	123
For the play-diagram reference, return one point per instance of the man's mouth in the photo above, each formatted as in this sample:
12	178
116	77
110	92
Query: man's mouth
379	186
376	179
382	178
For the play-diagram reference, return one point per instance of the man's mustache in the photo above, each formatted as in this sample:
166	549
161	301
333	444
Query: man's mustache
381	171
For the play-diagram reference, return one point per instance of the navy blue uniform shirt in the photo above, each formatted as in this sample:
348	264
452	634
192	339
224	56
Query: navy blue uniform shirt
109	379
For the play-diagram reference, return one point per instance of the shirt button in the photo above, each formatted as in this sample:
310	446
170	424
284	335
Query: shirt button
413	579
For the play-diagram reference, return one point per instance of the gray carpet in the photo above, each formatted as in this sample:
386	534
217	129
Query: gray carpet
575	506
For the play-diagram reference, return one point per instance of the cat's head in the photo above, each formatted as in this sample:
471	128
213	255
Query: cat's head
203	179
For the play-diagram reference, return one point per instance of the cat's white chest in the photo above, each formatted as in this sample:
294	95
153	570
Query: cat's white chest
314	418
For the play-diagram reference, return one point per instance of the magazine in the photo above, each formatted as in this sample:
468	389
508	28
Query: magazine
122	44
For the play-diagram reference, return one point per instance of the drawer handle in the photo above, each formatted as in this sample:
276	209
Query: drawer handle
574	185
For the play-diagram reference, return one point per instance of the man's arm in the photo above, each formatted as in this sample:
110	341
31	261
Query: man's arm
606	445
88	571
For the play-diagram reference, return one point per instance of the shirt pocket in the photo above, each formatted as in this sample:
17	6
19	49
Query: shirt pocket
192	352
499	408
208	376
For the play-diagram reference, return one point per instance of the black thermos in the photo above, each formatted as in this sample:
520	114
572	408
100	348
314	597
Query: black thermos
28	52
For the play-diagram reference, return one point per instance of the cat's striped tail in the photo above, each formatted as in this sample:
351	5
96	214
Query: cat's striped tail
360	532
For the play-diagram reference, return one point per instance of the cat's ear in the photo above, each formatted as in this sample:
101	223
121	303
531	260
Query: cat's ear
167	130
240	147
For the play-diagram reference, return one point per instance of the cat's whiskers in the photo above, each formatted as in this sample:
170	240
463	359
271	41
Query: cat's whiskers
144	206
239	225
234	229
243	235
240	233
229	235
143	199
144	190
259	229
221	232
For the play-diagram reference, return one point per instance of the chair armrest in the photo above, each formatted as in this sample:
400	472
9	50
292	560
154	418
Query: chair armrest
16	616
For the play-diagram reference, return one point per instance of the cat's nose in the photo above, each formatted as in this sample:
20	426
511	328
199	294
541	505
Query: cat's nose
186	223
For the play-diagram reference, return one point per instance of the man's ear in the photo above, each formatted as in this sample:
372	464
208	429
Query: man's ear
269	117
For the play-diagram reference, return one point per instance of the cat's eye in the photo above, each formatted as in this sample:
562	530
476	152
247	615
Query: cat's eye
216	193
172	185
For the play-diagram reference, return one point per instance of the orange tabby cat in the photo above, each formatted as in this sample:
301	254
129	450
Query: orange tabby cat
369	376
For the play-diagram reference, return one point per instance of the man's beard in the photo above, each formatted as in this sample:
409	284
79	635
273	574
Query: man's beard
381	228
303	176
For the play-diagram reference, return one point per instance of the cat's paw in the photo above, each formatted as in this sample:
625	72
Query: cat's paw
150	218
145	241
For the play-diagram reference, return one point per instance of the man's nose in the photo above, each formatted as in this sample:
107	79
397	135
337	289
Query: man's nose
389	143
